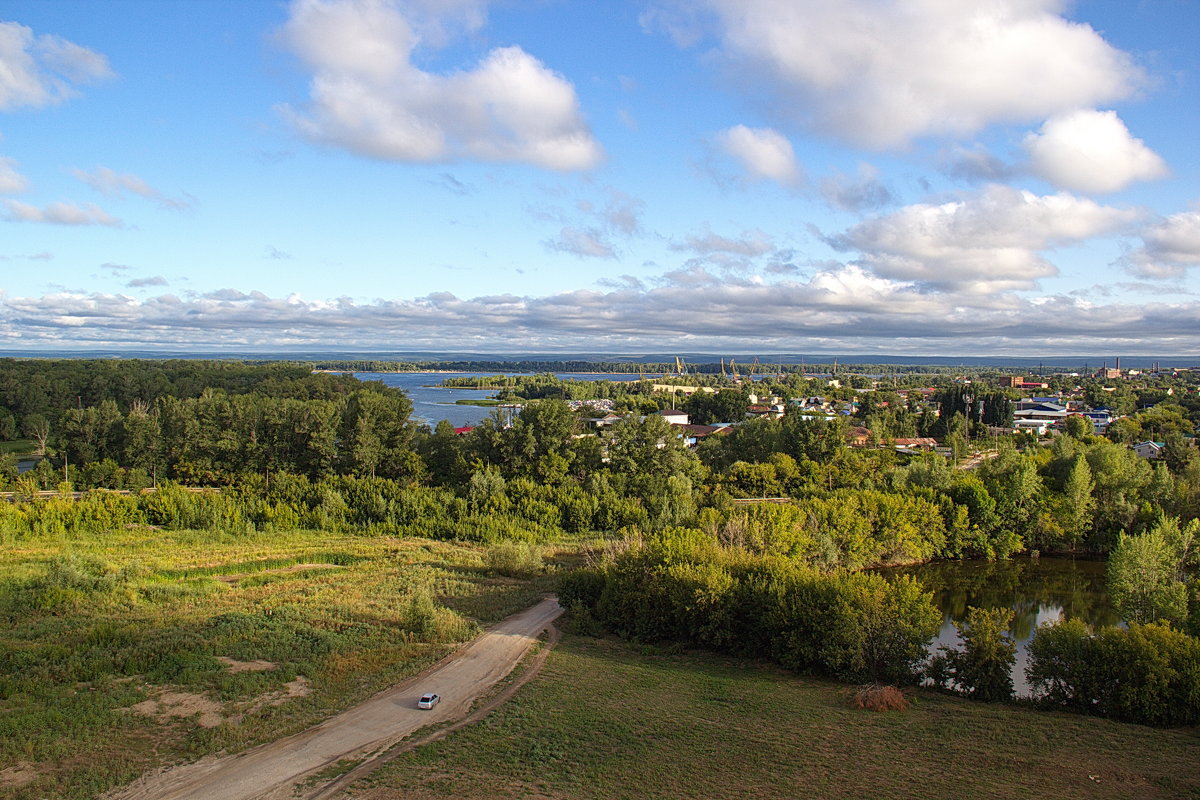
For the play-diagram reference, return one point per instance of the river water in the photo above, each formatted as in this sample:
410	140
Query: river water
1037	590
432	403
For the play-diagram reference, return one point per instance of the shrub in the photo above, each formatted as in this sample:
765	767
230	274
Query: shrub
514	559
1149	674
874	697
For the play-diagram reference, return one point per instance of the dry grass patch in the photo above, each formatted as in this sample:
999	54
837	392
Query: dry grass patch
874	697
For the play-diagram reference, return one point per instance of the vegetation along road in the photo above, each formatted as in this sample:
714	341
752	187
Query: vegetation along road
359	732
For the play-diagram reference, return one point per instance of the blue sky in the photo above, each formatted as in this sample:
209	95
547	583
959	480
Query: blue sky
933	177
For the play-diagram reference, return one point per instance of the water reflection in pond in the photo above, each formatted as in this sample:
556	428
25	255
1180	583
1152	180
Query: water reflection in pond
1037	590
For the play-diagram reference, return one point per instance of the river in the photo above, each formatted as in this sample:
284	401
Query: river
433	403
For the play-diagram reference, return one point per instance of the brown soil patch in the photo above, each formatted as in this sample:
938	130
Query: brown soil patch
235	666
170	705
17	775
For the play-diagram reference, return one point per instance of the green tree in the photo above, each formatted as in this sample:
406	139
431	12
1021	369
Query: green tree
1144	573
1077	502
1077	426
982	669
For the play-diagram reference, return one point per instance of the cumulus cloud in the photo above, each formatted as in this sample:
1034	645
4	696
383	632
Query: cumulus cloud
11	181
1169	247
59	214
40	70
883	74
763	153
985	242
114	184
843	303
1092	152
368	96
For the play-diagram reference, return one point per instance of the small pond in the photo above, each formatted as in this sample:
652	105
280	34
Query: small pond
1038	590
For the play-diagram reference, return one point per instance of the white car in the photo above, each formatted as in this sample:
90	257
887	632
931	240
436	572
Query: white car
428	700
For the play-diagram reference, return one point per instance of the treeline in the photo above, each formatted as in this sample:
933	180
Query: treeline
877	506
36	393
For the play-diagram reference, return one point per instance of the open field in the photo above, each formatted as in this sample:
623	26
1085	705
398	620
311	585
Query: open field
606	719
143	647
17	447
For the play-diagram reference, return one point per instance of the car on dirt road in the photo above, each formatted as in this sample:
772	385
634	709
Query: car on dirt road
428	701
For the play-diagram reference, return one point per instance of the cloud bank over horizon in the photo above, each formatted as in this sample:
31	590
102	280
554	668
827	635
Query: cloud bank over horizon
777	175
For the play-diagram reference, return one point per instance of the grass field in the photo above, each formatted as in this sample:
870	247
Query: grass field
143	647
17	447
606	719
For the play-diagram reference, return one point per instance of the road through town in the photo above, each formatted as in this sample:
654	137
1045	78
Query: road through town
271	770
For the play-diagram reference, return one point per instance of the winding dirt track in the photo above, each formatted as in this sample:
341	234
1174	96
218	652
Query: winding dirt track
271	770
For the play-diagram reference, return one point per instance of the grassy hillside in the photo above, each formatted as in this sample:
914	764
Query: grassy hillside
606	719
142	647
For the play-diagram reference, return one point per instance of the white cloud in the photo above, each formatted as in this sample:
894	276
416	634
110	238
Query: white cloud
589	231
844	305
11	181
113	184
987	241
368	96
1169	247
750	243
142	283
60	214
974	164
1091	151
856	192
763	153
43	70
884	73
582	242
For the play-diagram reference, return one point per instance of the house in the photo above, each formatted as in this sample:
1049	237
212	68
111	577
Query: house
1148	450
1037	426
858	436
674	416
919	443
692	434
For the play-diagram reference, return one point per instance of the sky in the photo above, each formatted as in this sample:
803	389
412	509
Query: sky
928	177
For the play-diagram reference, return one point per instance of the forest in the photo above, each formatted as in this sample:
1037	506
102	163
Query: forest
684	553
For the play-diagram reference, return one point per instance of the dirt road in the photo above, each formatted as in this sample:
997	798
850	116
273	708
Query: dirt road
269	771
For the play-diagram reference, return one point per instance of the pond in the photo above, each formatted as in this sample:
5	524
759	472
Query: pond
1037	590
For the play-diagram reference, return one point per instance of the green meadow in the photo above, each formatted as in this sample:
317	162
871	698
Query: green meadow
606	719
142	647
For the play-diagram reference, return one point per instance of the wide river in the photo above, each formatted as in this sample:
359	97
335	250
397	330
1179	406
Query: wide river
432	403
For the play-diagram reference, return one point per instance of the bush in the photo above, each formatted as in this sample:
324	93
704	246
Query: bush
515	559
1149	674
